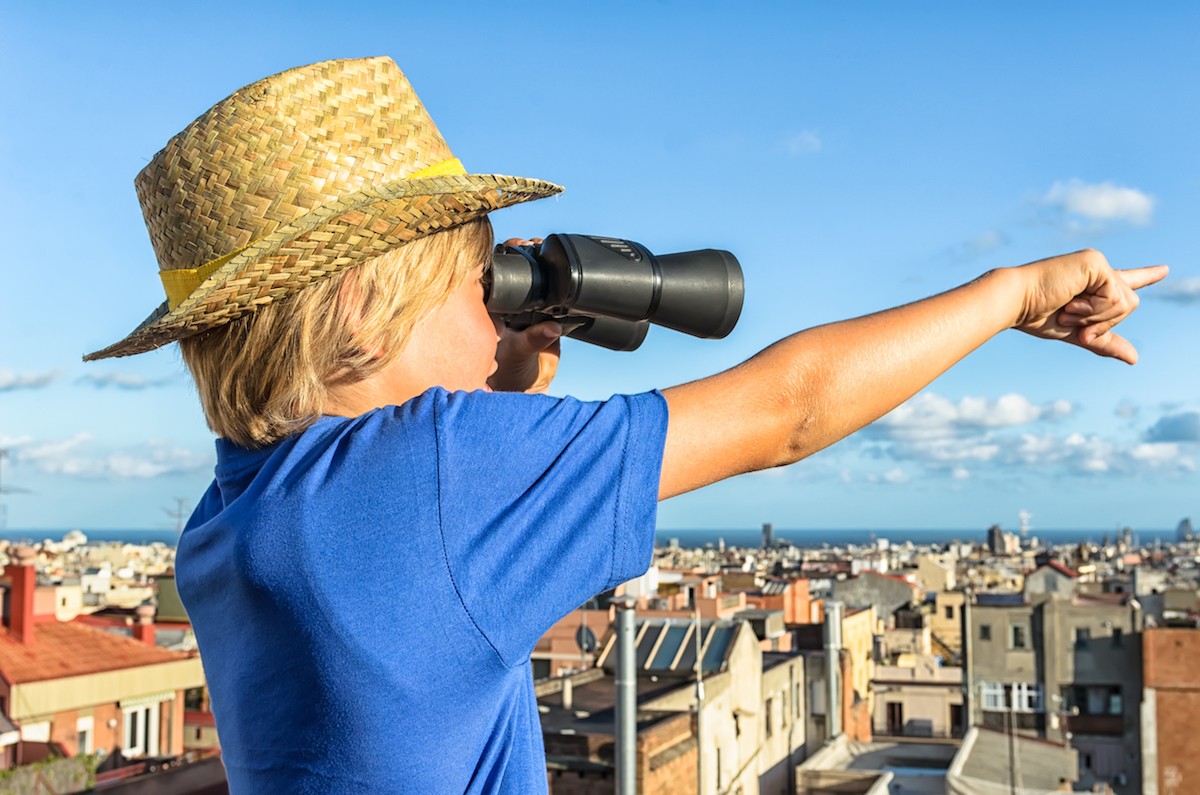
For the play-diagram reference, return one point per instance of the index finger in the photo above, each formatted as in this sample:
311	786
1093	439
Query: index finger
1137	278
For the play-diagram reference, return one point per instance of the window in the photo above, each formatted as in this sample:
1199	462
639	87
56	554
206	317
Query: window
1098	700
770	716
1083	636
985	631
1116	638
949	611
84	730
141	731
1020	696
1026	698
993	696
1018	636
796	700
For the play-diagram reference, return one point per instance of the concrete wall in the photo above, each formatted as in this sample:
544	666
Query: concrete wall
1047	581
905	641
1109	748
936	572
885	594
995	659
782	726
34	701
923	694
858	639
948	628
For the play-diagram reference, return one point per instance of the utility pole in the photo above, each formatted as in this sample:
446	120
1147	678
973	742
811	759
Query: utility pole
1012	752
626	706
178	513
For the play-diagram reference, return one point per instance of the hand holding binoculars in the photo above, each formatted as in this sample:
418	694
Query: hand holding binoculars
607	291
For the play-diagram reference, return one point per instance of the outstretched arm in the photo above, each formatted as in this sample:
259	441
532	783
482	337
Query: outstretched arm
813	388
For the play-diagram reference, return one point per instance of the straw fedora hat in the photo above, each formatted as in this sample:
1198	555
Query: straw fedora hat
292	179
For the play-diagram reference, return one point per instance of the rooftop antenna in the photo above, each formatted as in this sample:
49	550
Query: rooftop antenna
178	513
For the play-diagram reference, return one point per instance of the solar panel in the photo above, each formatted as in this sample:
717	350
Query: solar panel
688	661
646	644
714	654
669	648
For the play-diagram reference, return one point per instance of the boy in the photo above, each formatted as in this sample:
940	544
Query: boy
386	539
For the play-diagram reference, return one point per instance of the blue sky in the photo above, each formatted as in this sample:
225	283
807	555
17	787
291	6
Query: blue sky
852	157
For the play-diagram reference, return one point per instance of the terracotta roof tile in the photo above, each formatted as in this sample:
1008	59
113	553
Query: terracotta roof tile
64	649
1061	569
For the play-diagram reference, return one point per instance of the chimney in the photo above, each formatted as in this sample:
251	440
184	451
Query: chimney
833	683
567	694
143	630
23	576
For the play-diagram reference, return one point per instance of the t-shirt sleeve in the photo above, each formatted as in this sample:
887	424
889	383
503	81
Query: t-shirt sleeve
544	503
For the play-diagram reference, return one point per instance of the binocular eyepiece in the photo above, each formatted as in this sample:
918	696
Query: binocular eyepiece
607	291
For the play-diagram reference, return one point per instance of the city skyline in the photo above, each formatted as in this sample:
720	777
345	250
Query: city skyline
853	159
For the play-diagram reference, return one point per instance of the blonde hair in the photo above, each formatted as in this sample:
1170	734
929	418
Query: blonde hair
267	374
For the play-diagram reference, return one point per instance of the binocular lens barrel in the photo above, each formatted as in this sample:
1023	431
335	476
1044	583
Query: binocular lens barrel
611	288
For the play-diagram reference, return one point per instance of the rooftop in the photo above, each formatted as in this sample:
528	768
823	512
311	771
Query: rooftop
593	706
1061	569
64	649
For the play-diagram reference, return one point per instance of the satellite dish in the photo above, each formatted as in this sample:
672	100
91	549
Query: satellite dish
585	639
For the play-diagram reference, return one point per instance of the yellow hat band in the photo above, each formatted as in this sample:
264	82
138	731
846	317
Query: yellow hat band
179	284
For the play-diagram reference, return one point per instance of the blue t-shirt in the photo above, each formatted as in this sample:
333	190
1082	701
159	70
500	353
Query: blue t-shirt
366	594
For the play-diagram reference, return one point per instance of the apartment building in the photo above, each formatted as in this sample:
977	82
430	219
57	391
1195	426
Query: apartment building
1052	662
68	688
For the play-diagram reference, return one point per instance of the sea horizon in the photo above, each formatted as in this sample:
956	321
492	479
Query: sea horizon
698	537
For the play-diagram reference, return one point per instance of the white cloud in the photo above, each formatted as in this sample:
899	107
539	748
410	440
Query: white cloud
10	381
896	475
74	457
124	381
805	142
1180	291
930	416
947	451
1155	452
978	436
1100	202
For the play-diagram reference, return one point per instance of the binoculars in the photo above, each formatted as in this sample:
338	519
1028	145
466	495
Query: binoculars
607	291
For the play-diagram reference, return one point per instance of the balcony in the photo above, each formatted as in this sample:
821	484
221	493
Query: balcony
1108	725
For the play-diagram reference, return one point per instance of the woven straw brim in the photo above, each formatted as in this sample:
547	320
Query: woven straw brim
335	236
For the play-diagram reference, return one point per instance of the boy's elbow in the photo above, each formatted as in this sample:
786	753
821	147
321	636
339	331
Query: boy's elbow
793	432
